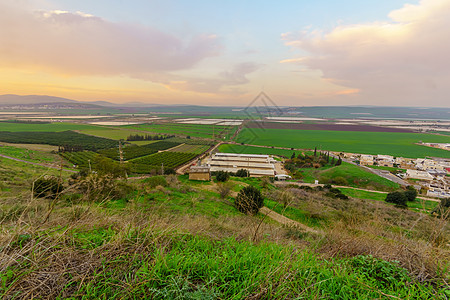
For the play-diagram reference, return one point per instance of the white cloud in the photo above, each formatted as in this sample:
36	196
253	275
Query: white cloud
405	60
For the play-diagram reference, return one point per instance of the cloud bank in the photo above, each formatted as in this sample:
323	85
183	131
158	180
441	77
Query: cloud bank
400	62
75	43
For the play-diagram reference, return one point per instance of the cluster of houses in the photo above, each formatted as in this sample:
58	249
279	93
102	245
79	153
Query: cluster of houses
444	146
432	174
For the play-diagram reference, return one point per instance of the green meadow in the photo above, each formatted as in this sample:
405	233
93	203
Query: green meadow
49	127
396	144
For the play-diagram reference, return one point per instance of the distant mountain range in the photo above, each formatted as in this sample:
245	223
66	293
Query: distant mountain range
51	103
11	99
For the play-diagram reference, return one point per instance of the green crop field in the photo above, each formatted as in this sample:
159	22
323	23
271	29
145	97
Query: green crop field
196	149
194	130
115	133
231	148
49	127
396	144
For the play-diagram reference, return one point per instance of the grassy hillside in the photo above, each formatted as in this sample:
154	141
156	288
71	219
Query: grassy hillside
166	237
396	144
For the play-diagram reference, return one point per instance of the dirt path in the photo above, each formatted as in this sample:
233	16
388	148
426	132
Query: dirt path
285	220
36	164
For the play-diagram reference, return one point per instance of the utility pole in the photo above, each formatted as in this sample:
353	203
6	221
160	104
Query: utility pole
120	151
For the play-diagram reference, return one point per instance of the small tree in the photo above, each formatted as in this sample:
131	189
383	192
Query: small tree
411	193
242	173
293	155
47	187
249	200
398	198
222	176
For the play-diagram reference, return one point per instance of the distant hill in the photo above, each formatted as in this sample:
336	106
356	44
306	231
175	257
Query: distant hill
11	99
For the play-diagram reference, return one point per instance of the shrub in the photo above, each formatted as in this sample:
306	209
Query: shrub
154	181
411	193
249	200
47	187
340	180
443	208
224	189
242	173
398	198
222	176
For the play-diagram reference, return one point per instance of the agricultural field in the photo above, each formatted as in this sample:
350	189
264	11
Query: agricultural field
392	143
109	132
59	138
129	152
194	141
47	127
80	159
155	161
233	148
193	130
195	149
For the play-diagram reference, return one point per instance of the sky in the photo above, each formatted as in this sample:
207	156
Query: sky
300	53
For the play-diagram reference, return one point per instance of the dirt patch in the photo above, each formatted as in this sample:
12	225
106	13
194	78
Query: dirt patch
333	127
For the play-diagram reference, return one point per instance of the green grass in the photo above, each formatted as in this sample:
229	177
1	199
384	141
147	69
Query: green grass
396	144
28	155
293	213
418	204
114	133
354	176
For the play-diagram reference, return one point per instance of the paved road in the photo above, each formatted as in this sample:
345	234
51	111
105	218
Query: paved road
36	164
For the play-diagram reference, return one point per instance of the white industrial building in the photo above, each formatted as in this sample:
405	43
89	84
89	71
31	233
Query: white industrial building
257	165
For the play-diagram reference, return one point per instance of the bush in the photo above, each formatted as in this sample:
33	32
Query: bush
242	173
443	208
249	200
411	193
224	189
398	198
222	176
47	187
154	181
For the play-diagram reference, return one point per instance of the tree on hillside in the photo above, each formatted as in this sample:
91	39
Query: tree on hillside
397	198
249	200
222	176
242	173
293	155
315	151
411	193
338	162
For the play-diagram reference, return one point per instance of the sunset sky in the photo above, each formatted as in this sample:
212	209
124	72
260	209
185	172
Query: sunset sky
301	53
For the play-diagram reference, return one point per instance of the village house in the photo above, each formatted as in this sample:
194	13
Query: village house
385	160
200	173
366	160
417	174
